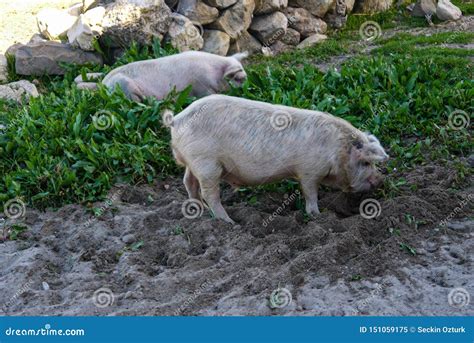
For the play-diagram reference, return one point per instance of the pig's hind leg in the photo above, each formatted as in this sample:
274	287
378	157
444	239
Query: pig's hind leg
192	184
129	87
209	174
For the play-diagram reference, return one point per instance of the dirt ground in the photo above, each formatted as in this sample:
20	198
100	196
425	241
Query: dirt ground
141	256
18	22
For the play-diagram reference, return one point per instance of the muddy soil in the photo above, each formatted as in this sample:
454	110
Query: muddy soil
140	256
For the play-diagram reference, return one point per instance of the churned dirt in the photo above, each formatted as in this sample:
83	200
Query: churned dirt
141	256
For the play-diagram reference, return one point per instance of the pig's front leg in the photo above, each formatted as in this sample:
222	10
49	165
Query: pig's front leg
310	192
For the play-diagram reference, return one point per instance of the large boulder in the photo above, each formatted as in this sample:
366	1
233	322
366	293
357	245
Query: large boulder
312	40
269	6
18	91
445	10
216	42
126	21
220	4
291	37
183	35
372	6
197	11
269	28
54	23
235	19
304	22
87	29
245	42
316	7
44	58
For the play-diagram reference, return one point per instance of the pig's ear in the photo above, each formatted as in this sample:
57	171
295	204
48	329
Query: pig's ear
231	72
367	152
240	56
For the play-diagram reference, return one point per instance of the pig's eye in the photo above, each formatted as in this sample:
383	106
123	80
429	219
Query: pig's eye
365	164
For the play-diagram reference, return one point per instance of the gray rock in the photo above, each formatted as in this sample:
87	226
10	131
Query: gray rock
220	4
372	6
470	160
18	90
269	6
216	42
445	10
336	17
424	7
304	22
183	35
54	23
43	58
126	21
291	37
87	29
129	239
197	11
245	42
3	69
335	21
36	38
75	9
312	40
269	28
278	47
235	19
318	8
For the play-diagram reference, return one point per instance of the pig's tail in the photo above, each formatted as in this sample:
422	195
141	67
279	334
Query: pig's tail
167	117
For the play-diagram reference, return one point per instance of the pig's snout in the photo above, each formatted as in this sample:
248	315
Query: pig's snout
375	180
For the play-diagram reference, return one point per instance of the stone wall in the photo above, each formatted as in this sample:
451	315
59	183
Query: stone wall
218	26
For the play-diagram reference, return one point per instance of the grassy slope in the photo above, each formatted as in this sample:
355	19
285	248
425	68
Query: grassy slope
54	152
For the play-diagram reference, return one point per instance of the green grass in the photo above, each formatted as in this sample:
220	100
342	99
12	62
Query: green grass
54	152
466	6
